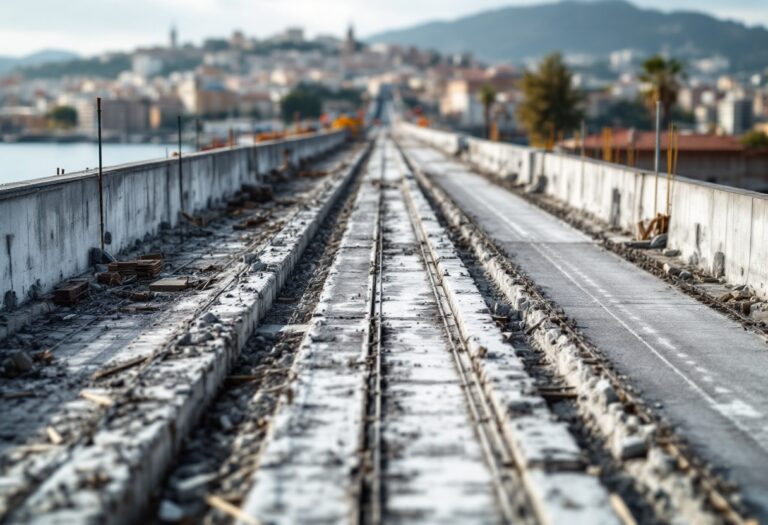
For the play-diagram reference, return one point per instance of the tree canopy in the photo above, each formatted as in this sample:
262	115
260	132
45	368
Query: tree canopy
550	101
662	77
486	95
63	117
301	102
307	100
755	139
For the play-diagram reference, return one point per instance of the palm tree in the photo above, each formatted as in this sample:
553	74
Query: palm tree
550	101
663	79
486	95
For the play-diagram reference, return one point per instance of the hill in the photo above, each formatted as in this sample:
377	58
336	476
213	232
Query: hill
45	56
595	28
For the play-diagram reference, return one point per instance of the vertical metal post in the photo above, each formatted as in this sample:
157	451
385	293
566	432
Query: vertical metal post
101	178
671	163
181	184
583	137
197	134
656	158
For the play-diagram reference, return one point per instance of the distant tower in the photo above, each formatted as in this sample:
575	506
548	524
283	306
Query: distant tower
174	36
350	44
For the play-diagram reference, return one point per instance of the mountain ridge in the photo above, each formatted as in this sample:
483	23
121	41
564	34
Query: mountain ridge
517	33
43	56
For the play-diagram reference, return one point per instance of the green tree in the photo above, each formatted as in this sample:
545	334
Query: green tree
755	139
550	101
302	101
663	79
486	95
63	117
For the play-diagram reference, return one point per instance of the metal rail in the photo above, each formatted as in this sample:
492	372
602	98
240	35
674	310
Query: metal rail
507	483
370	492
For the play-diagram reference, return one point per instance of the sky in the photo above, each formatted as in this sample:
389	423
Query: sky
90	27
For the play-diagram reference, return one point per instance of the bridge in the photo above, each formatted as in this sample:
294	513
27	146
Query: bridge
411	326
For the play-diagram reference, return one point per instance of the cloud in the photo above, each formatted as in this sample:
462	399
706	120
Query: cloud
93	26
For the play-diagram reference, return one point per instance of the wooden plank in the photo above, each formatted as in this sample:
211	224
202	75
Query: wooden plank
172	284
70	293
119	367
231	510
110	278
96	398
54	436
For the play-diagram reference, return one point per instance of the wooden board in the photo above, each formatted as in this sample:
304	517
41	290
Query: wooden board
172	284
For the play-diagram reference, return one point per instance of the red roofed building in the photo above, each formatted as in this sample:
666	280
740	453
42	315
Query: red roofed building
713	158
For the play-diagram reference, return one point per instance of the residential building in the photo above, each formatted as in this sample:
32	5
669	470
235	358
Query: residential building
712	158
734	115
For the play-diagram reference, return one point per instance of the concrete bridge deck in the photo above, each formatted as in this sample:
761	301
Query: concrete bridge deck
393	337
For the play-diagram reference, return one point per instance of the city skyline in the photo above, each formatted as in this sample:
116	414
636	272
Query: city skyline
89	29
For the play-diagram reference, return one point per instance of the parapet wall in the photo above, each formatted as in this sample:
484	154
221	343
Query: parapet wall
445	141
705	218
48	226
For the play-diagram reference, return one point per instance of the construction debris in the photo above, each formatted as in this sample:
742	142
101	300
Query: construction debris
96	398
251	222
71	293
172	284
259	192
53	436
119	367
141	296
142	268
16	394
313	173
45	357
201	221
16	364
142	308
656	226
231	510
109	278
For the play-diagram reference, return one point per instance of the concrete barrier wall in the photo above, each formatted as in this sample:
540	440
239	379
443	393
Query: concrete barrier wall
445	141
619	195
48	226
705	218
506	160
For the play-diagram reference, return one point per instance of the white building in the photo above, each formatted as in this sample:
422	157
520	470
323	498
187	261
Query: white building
146	65
734	115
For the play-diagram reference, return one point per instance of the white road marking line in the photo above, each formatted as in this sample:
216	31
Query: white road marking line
666	342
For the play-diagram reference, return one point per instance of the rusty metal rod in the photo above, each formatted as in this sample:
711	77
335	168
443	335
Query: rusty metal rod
101	179
197	135
181	184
